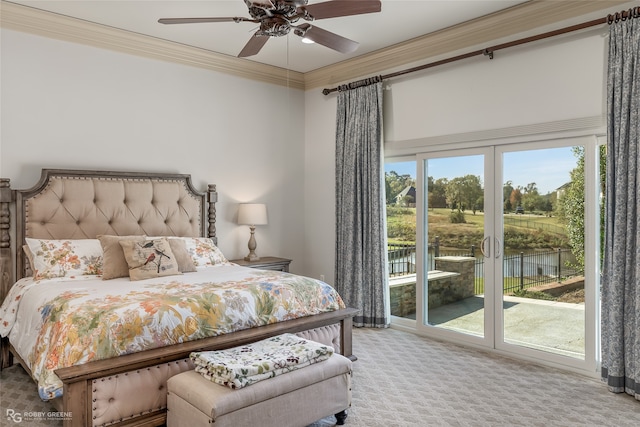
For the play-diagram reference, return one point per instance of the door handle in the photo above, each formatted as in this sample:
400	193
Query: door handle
498	247
486	241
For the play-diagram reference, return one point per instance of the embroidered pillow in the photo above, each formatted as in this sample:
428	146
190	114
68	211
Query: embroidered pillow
203	251
114	264
149	258
64	258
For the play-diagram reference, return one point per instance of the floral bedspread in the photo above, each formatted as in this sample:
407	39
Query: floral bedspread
58	323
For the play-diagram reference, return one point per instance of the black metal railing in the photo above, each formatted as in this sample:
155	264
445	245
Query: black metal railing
520	271
525	270
402	259
402	256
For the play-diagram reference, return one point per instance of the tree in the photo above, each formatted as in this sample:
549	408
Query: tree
515	198
531	197
408	200
437	192
571	207
545	204
570	204
479	204
531	188
507	188
464	192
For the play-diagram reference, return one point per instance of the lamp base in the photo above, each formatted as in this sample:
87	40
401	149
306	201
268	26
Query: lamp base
252	246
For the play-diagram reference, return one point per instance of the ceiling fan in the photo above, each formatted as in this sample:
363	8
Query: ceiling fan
276	18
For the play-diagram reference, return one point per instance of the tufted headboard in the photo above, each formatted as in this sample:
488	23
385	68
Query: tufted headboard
76	204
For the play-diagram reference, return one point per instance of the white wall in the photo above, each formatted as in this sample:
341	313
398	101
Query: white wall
320	137
542	82
71	106
67	105
550	81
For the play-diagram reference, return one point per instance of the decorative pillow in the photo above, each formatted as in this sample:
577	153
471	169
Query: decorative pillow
203	251
184	260
114	264
149	258
64	258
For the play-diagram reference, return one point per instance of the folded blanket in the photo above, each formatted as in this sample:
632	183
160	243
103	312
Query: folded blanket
245	365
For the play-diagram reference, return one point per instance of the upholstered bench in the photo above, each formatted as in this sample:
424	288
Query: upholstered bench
297	398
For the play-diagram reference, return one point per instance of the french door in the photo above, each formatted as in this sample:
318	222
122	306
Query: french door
497	239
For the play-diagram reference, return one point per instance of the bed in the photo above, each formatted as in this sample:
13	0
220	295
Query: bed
101	344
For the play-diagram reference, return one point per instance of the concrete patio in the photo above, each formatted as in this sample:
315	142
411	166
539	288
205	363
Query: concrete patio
551	326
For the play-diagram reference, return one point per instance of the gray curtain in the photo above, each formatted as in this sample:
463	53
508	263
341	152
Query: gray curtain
620	295
361	274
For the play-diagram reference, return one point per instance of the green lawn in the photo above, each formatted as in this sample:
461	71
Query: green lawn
521	231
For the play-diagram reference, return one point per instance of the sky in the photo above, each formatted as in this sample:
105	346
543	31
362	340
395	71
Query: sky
548	168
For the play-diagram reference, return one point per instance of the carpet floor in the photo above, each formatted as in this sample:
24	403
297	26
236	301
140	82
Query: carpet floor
402	380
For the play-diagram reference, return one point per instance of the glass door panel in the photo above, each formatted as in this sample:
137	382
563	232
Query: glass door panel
453	196
400	189
542	295
506	248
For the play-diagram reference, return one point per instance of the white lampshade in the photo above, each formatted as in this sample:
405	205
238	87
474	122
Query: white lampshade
252	214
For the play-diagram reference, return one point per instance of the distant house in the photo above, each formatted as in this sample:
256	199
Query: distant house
407	197
561	190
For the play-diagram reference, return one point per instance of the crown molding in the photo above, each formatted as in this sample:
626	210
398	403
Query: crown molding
508	22
35	21
518	19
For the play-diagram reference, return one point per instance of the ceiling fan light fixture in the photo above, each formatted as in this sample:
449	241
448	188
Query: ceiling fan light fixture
274	26
276	19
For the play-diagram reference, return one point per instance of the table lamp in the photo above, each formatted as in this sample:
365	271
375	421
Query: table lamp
252	214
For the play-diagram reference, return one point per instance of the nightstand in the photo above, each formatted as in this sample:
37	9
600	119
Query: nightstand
265	263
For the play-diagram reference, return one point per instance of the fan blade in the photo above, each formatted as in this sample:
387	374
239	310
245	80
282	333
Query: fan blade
326	38
337	8
201	20
253	46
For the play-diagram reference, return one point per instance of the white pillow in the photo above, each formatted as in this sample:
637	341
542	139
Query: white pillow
65	258
203	251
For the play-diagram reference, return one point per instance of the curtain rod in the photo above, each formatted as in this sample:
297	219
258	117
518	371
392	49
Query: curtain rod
609	19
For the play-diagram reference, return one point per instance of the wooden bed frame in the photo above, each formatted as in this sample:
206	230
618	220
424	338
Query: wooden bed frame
77	403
